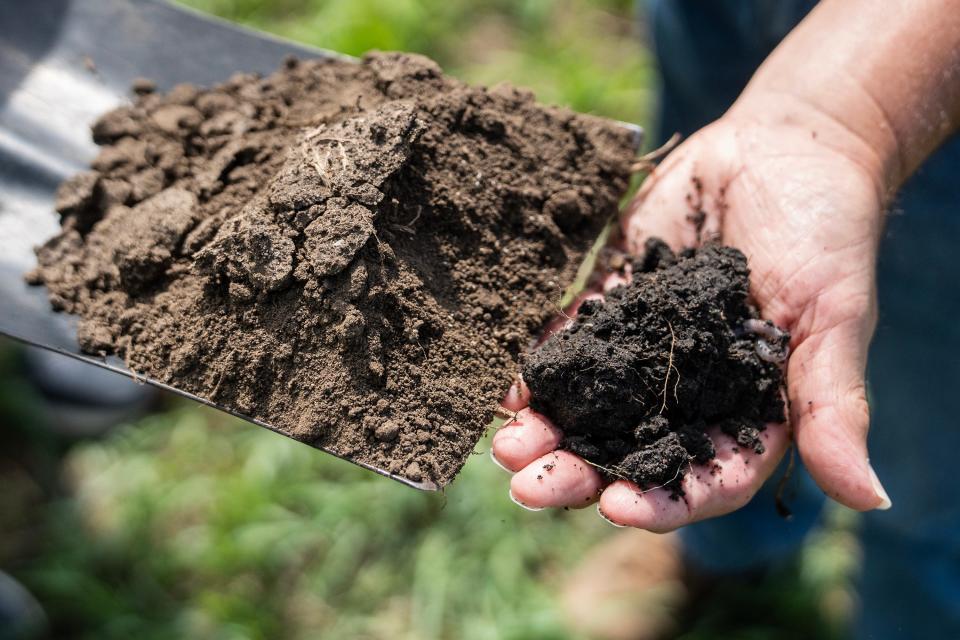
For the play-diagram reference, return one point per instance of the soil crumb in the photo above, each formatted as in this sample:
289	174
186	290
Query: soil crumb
353	253
636	380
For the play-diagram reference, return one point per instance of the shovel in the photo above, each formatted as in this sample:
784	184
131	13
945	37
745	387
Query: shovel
62	64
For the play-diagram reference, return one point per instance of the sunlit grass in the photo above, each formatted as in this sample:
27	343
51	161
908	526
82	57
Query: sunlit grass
577	53
192	522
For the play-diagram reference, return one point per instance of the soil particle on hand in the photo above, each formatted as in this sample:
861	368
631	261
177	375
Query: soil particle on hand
353	253
636	380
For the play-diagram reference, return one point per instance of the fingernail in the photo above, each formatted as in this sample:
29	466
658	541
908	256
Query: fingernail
493	457
885	502
601	514
520	504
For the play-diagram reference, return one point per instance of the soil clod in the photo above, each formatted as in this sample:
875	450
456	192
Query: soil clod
635	381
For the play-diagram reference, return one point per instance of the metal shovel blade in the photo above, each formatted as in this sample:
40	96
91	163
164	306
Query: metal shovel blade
62	64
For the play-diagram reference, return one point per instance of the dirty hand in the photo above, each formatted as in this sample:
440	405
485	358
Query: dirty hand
796	174
802	198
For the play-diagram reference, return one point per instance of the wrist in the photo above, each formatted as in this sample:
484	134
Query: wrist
886	77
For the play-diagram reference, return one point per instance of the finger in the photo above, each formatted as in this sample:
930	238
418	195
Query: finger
558	479
523	440
612	267
830	411
518	396
606	281
723	485
614	280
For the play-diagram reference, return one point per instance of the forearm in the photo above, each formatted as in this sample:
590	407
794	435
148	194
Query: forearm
887	72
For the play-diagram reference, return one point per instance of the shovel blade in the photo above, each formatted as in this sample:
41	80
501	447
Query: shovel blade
62	64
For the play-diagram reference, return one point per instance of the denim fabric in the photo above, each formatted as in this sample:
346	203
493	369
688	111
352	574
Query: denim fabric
910	583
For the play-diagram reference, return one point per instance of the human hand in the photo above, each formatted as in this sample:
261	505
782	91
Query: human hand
802	197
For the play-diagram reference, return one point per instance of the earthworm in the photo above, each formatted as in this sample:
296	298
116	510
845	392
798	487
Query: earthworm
773	344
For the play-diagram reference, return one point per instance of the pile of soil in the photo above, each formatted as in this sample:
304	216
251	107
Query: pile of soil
636	380
353	253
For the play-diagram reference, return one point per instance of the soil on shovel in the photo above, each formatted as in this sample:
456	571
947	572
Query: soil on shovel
353	253
636	380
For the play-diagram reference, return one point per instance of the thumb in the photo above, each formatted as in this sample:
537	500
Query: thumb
831	414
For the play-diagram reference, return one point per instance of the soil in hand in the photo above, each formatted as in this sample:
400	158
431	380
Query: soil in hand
353	253
635	381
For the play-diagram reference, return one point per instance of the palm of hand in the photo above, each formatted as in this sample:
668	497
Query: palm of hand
805	215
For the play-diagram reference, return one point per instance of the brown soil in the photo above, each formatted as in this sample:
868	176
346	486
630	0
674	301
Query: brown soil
353	253
636	380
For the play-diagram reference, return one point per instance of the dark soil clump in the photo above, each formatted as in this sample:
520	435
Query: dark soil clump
354	253
636	380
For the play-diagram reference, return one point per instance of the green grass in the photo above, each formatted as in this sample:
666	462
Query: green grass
192	524
189	524
195	525
573	52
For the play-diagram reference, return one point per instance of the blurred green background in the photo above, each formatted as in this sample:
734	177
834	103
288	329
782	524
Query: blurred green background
189	524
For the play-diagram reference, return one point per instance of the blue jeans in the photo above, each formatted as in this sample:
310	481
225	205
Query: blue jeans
910	581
